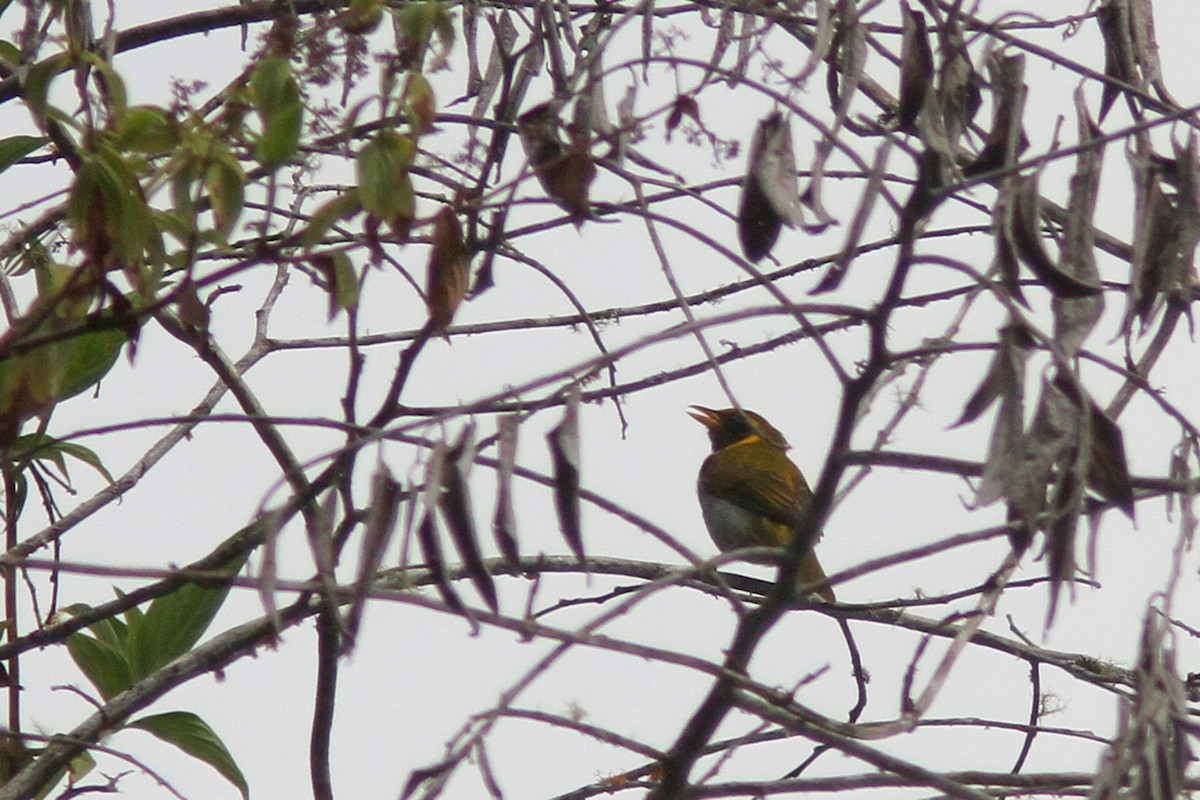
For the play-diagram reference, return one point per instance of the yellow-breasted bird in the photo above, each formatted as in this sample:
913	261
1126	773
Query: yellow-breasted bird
751	494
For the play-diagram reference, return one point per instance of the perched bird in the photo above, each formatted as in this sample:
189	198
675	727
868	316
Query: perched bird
751	494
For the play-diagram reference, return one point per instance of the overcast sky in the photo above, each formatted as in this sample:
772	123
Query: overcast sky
417	676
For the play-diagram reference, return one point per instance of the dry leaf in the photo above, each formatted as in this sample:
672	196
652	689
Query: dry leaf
1004	262
564	450
1005	379
1064	509
721	41
540	136
1052	437
1166	234
1006	138
1118	52
591	109
320	541
1074	318
1149	757
271	522
431	551
821	42
958	88
572	180
684	105
848	47
770	195
504	37
1108	474
449	271
1181	458
565	171
758	223
838	270
470	26
1027	241
378	528
1107	468
190	308
455	505
927	191
1130	52
1005	376
744	38
1145	44
847	55
916	70
431	548
504	522
628	127
1070	445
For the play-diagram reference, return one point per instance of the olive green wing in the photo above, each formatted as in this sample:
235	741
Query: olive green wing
760	479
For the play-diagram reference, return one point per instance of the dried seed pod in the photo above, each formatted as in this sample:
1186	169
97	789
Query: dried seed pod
770	195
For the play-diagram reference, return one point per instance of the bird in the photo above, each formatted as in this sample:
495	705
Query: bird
751	494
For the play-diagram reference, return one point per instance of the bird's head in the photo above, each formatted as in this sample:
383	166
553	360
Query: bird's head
728	426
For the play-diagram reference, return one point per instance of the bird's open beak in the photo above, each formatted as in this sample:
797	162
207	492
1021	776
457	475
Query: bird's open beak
705	416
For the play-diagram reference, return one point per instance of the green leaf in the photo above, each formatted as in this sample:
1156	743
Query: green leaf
273	85
420	20
340	208
42	447
226	183
111	631
85	359
345	282
340	278
361	16
37	82
33	381
10	54
281	137
276	97
14	148
107	209
20	492
87	456
86	191
130	222
174	623
103	663
145	129
174	225
114	85
38	447
193	736
51	277
381	166
183	181
79	767
419	102
27	384
134	616
76	770
31	255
